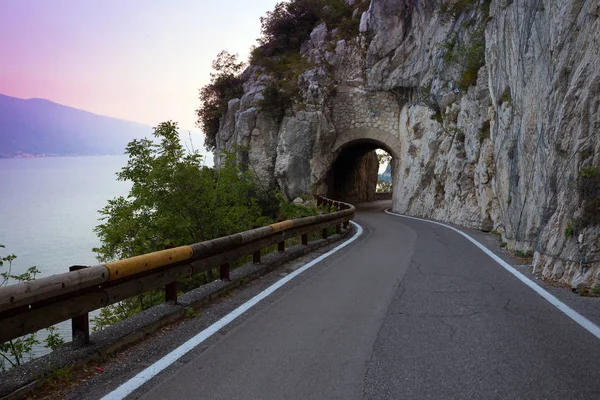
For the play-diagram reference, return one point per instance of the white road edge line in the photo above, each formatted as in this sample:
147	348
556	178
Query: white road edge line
144	376
568	311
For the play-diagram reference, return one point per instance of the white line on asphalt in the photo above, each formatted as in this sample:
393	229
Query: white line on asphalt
148	373
568	311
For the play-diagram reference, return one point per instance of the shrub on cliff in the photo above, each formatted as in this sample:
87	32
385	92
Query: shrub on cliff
225	84
290	23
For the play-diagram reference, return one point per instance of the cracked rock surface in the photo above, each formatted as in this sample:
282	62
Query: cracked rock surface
503	152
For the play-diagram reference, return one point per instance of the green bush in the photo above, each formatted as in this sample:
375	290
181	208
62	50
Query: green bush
174	200
226	84
15	352
569	231
290	23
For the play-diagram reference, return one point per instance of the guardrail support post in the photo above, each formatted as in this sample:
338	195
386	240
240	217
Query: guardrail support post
324	233
224	272
338	229
80	326
224	268
305	239
256	254
346	224
171	292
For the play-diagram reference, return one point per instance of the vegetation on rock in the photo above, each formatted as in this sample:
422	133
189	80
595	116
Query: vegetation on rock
225	84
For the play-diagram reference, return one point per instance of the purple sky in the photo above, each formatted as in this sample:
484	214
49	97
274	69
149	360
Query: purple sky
140	60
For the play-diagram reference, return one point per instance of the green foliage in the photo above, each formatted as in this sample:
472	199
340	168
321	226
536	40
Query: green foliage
15	352
523	254
280	93
569	231
596	289
467	54
127	308
276	100
446	47
283	31
588	173
226	84
506	97
286	27
291	210
383	186
471	59
189	312
53	341
384	157
174	199
290	23
503	244
60	377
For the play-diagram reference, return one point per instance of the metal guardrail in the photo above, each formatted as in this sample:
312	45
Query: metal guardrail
30	306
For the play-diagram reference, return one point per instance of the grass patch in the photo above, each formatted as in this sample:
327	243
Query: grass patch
569	231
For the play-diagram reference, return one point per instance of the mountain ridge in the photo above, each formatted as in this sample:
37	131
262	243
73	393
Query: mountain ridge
38	127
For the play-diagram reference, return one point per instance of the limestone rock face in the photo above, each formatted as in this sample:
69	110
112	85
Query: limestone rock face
504	151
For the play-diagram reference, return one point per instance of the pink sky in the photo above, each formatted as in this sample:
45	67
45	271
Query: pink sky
140	60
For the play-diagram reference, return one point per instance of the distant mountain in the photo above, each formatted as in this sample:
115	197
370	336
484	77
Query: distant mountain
37	127
387	174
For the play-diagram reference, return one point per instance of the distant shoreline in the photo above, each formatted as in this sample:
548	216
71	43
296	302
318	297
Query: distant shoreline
29	156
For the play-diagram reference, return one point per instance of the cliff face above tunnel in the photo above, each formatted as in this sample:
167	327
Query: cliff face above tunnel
491	111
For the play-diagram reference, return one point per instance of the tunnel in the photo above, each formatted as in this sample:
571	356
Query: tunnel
353	176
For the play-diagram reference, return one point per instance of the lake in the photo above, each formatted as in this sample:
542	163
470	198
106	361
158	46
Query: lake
48	210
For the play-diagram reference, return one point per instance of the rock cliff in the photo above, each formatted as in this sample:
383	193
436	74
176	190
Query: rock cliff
490	110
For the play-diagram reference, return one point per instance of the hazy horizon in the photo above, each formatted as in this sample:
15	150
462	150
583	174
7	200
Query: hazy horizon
140	61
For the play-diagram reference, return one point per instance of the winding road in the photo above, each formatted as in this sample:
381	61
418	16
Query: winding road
410	310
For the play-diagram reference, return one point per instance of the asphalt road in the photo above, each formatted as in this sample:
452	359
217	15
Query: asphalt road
409	311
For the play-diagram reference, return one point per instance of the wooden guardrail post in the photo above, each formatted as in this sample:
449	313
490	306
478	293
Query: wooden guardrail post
80	325
256	254
305	239
224	269
338	229
281	245
224	272
171	292
324	233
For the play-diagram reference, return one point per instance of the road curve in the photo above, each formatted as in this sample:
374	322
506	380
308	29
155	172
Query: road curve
410	310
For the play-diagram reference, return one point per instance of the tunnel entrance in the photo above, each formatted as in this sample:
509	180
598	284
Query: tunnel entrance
360	171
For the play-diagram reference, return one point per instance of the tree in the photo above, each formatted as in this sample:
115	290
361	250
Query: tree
174	199
225	84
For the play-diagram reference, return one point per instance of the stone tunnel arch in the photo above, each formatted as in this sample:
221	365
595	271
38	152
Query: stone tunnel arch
352	175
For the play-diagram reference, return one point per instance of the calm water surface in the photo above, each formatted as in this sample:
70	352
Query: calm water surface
48	210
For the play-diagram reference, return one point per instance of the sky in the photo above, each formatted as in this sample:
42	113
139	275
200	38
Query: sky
139	60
